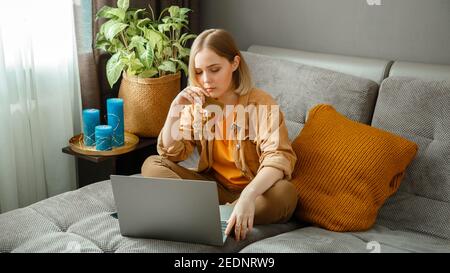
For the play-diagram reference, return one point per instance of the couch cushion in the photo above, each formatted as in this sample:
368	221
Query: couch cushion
346	170
378	239
80	221
420	111
297	88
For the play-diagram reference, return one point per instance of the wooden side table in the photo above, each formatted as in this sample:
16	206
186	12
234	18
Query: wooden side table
92	169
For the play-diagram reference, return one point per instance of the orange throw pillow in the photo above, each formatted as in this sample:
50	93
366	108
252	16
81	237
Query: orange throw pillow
346	170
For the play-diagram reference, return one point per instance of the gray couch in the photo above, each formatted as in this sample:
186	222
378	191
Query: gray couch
412	100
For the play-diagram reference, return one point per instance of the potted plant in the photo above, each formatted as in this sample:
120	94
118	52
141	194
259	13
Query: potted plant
150	54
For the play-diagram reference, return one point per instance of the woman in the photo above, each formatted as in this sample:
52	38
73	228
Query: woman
251	173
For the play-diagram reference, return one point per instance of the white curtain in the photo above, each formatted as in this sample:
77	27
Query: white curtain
39	100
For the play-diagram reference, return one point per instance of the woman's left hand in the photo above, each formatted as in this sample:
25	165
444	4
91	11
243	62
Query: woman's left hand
241	218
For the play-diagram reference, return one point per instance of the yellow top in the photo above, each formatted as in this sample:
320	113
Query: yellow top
225	169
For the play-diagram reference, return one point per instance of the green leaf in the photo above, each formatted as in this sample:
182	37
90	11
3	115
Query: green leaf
114	68
166	19
100	37
111	13
133	31
101	43
112	28
164	27
123	4
119	13
182	52
104	13
182	65
147	56
149	73
153	37
185	37
168	66
115	46
184	11
158	56
137	42
174	11
135	66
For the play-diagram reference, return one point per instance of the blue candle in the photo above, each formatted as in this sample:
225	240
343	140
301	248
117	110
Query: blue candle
91	118
103	136
114	108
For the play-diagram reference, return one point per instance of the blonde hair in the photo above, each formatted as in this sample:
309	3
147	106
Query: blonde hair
222	43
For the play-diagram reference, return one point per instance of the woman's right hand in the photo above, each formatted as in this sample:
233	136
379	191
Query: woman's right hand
190	95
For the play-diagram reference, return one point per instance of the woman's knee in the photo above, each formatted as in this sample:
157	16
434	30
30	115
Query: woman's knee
152	160
282	197
283	190
154	165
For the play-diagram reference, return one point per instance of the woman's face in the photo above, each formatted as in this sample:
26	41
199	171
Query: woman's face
214	73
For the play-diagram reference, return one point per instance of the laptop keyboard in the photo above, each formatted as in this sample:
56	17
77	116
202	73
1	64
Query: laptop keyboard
223	226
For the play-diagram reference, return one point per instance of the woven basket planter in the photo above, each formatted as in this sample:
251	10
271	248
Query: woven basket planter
146	102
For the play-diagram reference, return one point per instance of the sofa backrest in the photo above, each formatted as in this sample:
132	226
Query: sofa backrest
368	68
298	87
421	71
414	102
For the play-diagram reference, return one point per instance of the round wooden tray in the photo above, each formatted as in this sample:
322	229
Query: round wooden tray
77	145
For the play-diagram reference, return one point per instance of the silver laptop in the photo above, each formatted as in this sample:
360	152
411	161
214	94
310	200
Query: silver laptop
170	209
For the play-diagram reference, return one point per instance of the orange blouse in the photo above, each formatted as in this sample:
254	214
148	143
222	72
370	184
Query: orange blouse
225	170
